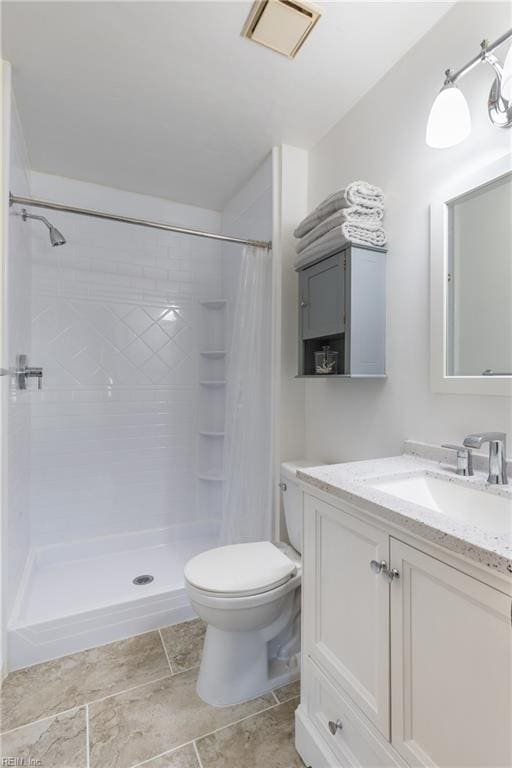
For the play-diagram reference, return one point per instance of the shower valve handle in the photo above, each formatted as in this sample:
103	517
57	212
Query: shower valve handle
24	372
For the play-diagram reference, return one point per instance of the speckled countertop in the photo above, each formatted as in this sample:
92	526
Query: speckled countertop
350	481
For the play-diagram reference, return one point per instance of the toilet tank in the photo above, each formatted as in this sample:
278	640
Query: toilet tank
292	502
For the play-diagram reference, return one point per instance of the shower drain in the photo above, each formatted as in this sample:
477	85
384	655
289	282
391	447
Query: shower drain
144	579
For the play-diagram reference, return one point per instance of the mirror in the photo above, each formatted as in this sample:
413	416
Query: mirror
479	311
471	283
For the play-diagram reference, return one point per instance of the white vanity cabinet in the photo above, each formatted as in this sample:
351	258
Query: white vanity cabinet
346	621
451	670
414	672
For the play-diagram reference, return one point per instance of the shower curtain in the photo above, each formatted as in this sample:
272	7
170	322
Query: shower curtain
247	486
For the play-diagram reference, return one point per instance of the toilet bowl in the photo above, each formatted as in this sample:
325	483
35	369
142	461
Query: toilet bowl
249	596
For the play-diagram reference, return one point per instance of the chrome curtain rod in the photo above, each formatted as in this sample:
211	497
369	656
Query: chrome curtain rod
486	48
35	203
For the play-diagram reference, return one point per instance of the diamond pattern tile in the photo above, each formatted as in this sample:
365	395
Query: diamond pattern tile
138	353
155	338
138	320
96	343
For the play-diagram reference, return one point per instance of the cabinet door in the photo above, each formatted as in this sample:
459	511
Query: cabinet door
322	298
346	606
451	665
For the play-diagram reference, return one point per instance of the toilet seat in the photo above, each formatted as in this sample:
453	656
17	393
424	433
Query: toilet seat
240	570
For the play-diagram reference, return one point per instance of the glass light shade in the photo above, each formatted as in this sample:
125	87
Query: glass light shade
506	80
449	121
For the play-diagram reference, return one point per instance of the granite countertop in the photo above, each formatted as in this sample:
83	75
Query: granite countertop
349	481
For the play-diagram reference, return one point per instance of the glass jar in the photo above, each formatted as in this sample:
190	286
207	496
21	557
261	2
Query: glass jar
326	362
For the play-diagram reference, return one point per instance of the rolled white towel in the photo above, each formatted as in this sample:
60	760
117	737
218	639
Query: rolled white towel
324	246
364	194
364	235
358	193
336	238
326	208
355	214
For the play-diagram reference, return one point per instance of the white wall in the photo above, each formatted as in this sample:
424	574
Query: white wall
17	340
247	214
290	183
116	325
382	140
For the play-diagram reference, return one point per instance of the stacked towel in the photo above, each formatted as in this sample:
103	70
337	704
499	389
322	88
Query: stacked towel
352	215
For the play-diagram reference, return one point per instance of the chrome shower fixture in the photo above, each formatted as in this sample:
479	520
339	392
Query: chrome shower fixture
56	237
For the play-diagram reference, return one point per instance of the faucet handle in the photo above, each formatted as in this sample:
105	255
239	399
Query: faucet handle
464	458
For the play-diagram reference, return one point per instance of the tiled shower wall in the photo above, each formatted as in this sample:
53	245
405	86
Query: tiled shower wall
116	327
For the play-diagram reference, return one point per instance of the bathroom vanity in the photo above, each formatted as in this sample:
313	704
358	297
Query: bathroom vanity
407	596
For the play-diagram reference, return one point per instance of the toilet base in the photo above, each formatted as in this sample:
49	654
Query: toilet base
236	667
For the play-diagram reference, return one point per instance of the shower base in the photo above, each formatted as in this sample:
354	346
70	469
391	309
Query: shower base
81	594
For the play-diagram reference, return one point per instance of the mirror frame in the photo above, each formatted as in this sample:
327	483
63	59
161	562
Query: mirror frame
439	259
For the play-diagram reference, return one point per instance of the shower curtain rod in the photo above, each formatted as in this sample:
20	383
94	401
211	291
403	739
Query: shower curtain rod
35	203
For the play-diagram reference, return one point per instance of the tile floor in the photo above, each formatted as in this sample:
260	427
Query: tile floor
134	703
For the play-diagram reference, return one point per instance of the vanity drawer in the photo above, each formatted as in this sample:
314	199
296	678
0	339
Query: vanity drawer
354	744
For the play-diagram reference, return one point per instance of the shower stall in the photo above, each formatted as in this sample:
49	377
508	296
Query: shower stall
115	475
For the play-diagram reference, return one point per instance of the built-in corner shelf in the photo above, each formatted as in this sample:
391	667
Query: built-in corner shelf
213	384
210	478
213	354
214	303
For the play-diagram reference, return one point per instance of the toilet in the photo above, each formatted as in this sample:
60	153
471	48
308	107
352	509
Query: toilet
249	596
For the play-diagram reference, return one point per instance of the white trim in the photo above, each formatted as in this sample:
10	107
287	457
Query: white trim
439	245
276	339
5	150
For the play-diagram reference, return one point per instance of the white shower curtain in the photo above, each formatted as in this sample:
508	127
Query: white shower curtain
247	487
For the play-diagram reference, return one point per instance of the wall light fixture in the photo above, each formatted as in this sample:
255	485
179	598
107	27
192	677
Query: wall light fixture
449	121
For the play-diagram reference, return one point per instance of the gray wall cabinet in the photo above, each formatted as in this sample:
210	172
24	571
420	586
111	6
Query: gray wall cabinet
342	304
322	298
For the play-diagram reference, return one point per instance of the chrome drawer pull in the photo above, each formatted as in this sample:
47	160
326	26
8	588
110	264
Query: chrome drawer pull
391	575
334	727
383	569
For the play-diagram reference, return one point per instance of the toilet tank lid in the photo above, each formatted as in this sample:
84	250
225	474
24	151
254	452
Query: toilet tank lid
289	468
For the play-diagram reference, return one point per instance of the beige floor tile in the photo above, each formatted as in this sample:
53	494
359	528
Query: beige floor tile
139	724
290	691
57	742
184	644
47	689
263	741
180	758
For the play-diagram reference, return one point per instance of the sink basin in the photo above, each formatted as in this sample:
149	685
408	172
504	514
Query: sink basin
469	505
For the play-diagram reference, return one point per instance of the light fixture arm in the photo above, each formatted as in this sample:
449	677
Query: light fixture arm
495	63
486	48
499	108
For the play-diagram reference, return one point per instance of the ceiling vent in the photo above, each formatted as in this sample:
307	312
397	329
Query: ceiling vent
282	25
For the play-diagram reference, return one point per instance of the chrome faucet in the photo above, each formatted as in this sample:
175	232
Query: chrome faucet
464	459
497	454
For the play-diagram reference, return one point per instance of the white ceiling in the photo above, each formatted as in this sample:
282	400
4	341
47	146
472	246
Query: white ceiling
167	99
